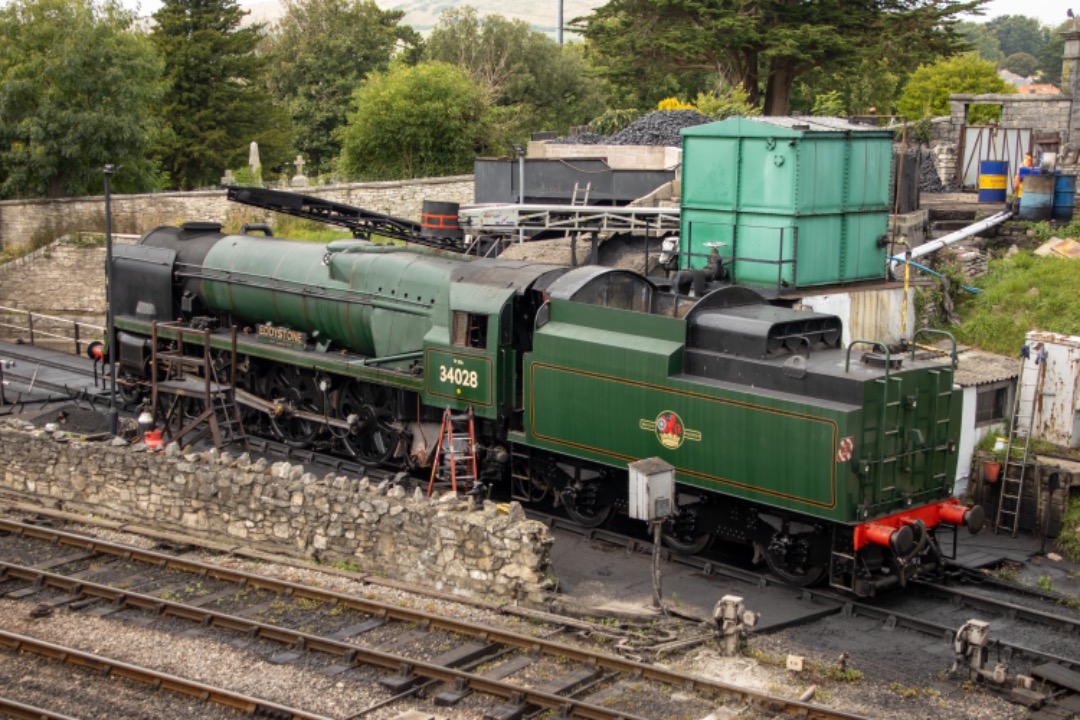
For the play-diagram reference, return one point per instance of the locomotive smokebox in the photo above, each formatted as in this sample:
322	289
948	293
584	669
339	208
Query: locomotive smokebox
440	220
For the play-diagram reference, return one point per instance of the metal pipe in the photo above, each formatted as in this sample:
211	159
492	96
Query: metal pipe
935	245
559	23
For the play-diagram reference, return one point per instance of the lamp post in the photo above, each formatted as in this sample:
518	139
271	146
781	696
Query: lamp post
559	22
110	331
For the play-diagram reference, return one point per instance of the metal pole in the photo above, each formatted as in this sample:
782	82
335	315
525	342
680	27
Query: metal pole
108	170
559	23
521	187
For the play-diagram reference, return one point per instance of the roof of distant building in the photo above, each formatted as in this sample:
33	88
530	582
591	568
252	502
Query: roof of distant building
1014	79
1039	89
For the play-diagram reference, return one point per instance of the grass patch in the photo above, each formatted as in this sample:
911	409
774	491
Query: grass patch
1069	540
1020	293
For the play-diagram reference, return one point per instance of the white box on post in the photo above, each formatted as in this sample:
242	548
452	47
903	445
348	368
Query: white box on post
652	489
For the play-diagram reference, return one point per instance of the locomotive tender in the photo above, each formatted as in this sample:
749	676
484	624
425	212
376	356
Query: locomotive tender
828	465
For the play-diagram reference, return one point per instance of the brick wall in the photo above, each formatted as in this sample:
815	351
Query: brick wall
444	544
26	221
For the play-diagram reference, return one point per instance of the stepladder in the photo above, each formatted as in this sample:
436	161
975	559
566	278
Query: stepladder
455	458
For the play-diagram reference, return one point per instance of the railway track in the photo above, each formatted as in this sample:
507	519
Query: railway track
113	669
102	578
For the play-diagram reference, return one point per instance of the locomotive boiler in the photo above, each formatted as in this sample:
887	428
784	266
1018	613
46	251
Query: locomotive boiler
832	463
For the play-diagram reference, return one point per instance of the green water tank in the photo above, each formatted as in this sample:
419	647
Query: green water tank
793	200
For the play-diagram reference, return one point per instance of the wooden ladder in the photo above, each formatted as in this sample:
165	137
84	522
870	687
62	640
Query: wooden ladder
456	449
181	376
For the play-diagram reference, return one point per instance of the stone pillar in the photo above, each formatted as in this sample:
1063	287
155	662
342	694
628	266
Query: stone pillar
1070	71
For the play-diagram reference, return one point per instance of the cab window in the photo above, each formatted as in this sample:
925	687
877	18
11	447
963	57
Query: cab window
470	330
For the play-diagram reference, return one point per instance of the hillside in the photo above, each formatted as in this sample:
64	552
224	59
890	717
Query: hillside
423	14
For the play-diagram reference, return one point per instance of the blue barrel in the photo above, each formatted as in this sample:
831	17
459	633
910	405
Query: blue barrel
993	180
1037	202
1064	198
1024	172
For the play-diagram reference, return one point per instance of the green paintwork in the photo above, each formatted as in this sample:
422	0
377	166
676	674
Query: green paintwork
350	366
755	185
601	382
375	300
826	248
457	377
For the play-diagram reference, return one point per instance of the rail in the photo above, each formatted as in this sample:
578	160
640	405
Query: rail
78	336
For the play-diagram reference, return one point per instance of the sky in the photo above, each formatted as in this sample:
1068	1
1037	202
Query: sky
1048	12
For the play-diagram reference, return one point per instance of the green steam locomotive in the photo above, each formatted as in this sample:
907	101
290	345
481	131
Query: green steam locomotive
831	463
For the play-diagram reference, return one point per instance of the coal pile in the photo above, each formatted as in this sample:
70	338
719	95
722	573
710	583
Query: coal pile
585	138
929	182
658	128
74	419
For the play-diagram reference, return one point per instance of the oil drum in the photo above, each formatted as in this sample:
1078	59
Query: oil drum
1037	202
993	180
1064	197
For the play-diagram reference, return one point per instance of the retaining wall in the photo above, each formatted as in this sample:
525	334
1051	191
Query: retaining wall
280	508
23	222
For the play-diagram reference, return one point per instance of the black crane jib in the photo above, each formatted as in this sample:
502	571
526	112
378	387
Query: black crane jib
362	223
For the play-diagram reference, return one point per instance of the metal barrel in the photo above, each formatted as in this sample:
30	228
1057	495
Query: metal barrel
1037	202
440	220
993	180
1064	198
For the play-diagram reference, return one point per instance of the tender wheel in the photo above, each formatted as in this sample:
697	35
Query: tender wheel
377	432
800	560
587	515
683	532
688	544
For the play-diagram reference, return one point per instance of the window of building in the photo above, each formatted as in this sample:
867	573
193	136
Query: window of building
992	404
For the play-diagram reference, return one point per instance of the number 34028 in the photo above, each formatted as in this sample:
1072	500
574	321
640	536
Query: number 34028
458	376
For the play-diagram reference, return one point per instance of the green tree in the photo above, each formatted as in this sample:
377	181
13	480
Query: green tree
217	102
320	52
870	81
927	91
426	120
1020	63
77	89
764	46
1018	34
1052	56
548	85
982	40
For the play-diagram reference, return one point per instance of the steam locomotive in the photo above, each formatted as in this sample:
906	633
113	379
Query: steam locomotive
831	462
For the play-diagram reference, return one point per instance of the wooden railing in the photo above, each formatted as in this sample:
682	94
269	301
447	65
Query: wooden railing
39	325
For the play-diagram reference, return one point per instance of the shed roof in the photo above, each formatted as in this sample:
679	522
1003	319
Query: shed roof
978	367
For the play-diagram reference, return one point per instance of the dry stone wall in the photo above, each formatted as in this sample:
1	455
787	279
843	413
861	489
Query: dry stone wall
440	543
25	222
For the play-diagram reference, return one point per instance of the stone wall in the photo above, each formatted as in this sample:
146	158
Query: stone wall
443	544
24	222
1042	113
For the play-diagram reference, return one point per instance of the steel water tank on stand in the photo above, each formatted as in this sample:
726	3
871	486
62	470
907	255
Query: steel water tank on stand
1064	198
993	180
1037	202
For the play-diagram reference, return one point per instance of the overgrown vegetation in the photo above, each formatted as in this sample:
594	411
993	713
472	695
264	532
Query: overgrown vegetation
1068	541
1020	293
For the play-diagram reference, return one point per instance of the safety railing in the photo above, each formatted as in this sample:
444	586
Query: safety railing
36	327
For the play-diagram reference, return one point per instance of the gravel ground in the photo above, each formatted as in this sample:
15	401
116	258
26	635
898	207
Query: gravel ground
903	680
33	680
